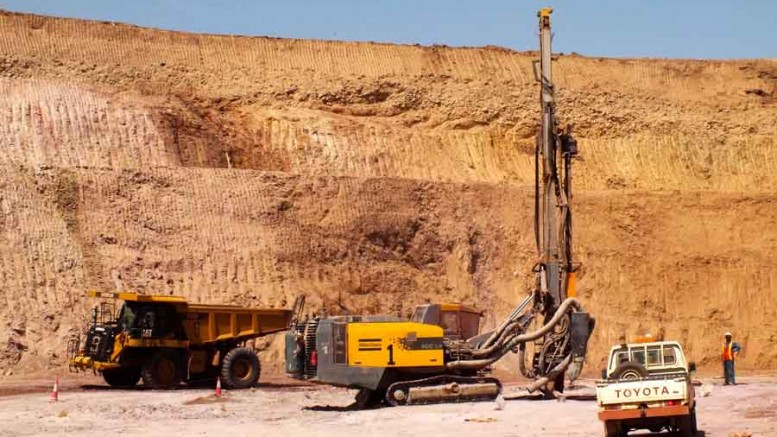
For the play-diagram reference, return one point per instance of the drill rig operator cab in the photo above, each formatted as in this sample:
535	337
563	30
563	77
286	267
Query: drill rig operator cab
459	322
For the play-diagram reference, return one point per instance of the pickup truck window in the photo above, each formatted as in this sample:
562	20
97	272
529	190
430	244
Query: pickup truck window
654	356
619	356
670	357
638	355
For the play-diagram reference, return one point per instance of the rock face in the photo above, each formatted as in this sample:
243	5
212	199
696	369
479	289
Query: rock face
374	177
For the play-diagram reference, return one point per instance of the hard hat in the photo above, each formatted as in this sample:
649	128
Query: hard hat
727	334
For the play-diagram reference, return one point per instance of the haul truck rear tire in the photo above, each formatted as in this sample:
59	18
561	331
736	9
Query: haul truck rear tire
122	376
240	368
163	369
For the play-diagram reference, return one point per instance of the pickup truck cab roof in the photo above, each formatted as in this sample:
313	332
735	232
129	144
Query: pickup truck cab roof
658	357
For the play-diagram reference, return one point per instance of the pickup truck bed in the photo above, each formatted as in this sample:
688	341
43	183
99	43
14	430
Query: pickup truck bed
648	390
652	402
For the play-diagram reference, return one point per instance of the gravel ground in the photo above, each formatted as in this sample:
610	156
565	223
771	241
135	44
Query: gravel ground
278	408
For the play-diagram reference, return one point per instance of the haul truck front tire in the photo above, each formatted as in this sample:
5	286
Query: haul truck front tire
240	368
122	376
163	369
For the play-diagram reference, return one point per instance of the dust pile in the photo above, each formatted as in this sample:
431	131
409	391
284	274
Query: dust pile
374	177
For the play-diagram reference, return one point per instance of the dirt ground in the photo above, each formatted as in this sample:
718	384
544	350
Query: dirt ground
281	408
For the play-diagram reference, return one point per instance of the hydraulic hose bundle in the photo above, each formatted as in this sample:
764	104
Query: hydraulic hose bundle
508	337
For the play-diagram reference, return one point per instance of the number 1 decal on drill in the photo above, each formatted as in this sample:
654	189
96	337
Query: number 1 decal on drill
391	354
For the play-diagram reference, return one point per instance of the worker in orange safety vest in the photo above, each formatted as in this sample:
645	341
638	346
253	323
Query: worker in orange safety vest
730	352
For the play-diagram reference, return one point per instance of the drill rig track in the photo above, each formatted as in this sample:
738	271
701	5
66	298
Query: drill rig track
443	388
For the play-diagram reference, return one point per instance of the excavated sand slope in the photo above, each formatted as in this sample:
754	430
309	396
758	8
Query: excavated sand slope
249	170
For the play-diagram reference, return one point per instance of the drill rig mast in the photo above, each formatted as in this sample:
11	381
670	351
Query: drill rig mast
551	201
553	220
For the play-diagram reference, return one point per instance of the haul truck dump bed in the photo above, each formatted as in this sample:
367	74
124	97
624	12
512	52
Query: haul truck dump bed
164	340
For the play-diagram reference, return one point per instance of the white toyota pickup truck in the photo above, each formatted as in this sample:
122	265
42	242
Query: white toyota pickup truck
647	386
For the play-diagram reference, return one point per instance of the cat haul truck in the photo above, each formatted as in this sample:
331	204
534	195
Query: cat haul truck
440	354
165	340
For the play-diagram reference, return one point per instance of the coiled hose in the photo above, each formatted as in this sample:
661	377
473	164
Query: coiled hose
501	347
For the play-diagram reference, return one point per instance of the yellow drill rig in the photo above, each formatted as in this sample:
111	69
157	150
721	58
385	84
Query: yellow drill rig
439	354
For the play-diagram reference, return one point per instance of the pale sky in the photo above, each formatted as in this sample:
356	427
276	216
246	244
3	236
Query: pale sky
633	28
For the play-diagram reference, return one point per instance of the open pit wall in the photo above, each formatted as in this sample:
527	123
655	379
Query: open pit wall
373	177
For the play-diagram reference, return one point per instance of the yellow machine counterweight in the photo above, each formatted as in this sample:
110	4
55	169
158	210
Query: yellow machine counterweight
397	344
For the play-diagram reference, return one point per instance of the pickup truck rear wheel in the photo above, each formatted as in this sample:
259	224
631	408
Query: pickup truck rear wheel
629	370
687	424
612	428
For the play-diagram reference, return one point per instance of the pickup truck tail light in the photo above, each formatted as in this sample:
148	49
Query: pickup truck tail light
672	403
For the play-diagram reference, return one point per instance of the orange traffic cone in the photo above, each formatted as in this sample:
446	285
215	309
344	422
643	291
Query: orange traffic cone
55	391
218	387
